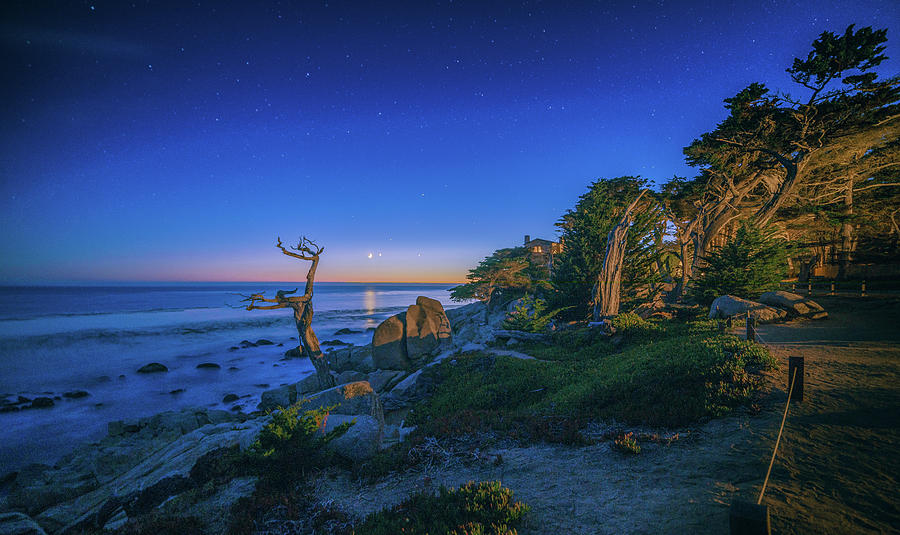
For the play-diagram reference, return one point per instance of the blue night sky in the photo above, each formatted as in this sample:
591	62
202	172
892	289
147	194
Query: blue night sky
175	141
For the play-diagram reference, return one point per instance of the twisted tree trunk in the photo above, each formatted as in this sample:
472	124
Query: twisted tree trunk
607	291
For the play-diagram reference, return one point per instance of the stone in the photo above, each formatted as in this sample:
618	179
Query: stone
282	396
727	305
336	343
357	358
795	305
414	388
41	403
264	342
208	366
19	524
153	367
352	398
344	331
154	463
76	394
427	329
247	343
293	353
229	398
349	376
212	509
361	442
382	380
389	344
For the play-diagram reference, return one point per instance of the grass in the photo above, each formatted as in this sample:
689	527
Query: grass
667	374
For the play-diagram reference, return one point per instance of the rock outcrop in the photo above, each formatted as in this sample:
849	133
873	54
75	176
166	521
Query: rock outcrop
795	305
727	305
410	339
135	456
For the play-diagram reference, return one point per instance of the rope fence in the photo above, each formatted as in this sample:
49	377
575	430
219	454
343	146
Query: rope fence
748	518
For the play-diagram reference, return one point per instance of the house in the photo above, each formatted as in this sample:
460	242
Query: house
542	251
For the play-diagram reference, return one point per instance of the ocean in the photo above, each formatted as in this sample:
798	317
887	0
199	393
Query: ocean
61	339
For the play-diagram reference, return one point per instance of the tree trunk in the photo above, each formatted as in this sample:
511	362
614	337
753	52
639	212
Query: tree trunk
607	291
844	256
310	343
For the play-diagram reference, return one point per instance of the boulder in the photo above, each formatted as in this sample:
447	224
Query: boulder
389	344
344	331
361	442
208	366
428	330
264	342
382	380
795	305
352	398
349	376
153	367
41	402
294	353
229	398
356	358
19	524
283	396
727	305
76	394
414	388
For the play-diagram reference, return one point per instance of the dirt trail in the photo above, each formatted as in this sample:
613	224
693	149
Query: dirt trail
836	472
839	461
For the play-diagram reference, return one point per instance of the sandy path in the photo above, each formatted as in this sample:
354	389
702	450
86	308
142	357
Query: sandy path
839	462
836	474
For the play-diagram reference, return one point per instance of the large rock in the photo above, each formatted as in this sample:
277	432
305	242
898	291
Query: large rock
19	524
382	380
389	344
410	339
354	358
283	396
428	330
795	305
361	441
170	459
727	305
414	388
351	398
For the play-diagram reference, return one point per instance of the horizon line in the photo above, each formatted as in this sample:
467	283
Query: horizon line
121	282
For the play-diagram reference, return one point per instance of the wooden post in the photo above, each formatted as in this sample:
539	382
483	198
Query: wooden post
795	365
747	518
862	288
832	288
751	327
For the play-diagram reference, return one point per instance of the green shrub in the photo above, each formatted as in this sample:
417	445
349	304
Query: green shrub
484	508
750	263
530	315
670	378
291	443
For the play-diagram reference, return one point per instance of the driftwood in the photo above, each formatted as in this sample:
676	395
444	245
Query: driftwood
608	289
302	306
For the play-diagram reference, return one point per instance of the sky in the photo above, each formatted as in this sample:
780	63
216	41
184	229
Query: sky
175	141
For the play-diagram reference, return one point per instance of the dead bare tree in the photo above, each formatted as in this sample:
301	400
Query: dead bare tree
607	291
302	306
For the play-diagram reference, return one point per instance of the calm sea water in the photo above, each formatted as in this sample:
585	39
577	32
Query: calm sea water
56	339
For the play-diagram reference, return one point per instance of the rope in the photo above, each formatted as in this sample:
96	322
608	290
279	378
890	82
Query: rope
778	440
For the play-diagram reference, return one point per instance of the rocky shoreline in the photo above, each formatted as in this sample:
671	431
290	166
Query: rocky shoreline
150	460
